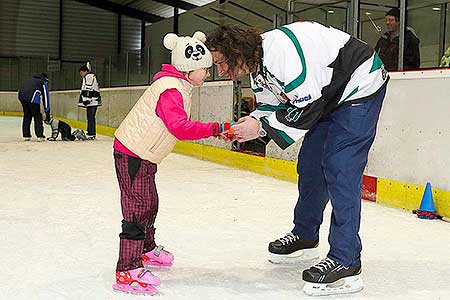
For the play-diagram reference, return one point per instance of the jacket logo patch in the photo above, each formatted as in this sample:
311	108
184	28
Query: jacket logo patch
293	114
301	99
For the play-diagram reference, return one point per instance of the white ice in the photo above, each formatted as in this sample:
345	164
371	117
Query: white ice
60	220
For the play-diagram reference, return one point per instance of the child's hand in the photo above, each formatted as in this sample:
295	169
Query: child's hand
48	118
226	131
228	135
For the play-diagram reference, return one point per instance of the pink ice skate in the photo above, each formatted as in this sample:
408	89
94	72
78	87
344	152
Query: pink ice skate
158	257
139	281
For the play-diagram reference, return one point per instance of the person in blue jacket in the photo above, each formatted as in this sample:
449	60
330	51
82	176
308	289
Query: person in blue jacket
35	100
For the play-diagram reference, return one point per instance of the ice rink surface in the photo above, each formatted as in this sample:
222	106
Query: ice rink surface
60	220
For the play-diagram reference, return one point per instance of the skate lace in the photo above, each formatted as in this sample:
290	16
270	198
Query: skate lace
289	238
156	252
143	272
326	264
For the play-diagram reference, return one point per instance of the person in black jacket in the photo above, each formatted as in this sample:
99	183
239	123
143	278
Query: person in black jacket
35	100
388	44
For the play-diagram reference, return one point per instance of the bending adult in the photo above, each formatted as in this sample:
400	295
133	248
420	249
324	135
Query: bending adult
322	84
35	100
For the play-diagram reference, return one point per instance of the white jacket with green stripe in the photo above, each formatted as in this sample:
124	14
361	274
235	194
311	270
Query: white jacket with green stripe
307	71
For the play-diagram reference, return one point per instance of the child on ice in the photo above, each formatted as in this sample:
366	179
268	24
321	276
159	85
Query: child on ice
145	137
59	126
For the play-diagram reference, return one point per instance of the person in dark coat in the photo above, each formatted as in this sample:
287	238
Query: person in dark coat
35	99
388	44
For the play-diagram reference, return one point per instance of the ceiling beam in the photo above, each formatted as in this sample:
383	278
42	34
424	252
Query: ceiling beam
123	10
131	2
206	19
230	17
313	6
177	3
250	11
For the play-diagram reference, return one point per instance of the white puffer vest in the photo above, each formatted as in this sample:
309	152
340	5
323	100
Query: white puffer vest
142	131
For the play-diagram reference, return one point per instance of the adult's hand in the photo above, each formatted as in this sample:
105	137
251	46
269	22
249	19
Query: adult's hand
246	129
48	117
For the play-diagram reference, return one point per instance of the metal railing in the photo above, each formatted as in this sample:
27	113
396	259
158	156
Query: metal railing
128	69
131	68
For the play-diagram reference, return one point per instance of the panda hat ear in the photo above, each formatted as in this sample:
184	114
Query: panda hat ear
170	41
199	36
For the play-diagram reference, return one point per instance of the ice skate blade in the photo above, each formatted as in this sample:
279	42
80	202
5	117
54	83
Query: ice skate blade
345	285
157	267
151	292
295	258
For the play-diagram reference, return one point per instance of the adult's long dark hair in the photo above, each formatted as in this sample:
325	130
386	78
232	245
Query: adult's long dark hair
238	45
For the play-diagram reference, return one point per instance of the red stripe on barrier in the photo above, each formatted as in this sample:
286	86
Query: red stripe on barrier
369	188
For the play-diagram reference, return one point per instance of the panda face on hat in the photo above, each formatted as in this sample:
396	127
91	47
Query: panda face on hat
194	52
188	53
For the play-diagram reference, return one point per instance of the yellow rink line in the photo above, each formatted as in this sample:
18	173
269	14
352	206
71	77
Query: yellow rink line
408	196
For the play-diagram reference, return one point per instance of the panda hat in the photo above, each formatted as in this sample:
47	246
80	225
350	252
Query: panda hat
188	53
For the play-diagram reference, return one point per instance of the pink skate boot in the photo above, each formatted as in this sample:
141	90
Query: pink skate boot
139	281
158	257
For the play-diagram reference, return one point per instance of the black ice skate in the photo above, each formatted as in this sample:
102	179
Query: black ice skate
291	249
79	134
329	277
54	125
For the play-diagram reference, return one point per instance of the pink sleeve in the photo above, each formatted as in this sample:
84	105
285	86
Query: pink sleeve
170	109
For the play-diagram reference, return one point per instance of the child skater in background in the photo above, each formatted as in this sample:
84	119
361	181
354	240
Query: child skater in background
89	98
147	135
59	126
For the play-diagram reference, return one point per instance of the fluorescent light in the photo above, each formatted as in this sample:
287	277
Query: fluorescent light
331	11
368	13
436	8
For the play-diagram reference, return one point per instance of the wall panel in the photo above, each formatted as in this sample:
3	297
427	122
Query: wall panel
131	34
29	28
88	31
